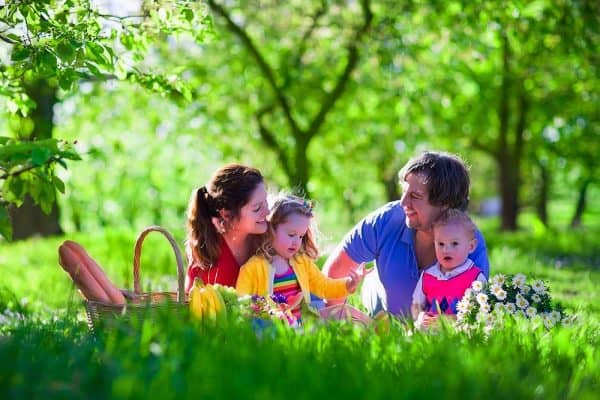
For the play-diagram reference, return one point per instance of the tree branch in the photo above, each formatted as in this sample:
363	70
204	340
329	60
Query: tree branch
353	57
262	63
6	175
297	59
269	139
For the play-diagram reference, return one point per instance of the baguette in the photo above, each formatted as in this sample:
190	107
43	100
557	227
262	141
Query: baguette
115	296
87	285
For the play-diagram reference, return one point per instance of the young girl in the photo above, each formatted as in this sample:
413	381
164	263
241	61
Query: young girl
442	285
225	220
285	263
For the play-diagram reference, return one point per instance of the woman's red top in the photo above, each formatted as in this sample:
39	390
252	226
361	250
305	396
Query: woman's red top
225	271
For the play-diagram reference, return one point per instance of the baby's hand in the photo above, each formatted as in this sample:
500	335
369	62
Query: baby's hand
356	276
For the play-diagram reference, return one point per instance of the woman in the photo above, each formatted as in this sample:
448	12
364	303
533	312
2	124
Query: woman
399	237
224	220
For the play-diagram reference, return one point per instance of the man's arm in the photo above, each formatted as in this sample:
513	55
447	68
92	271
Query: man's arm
338	265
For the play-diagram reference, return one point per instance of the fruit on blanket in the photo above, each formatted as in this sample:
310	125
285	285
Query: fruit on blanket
205	301
75	267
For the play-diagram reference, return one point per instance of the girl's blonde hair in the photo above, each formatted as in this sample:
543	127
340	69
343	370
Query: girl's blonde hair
284	206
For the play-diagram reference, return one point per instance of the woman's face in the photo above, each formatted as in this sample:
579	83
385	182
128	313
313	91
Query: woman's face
252	218
415	202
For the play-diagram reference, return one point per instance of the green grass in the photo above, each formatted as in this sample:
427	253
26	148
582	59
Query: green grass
51	354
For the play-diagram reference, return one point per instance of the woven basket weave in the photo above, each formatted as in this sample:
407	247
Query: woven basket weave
141	304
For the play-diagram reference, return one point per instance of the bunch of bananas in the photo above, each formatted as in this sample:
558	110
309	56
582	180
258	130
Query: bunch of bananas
206	301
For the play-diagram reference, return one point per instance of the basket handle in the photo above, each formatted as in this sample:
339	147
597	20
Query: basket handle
137	255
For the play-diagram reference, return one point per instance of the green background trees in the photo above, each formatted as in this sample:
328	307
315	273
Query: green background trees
329	97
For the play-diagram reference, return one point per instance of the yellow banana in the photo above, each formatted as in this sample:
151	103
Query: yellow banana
221	303
196	302
208	304
216	299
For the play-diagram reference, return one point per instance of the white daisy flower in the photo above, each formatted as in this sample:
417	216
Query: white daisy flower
500	293
485	308
548	321
526	289
481	298
531	312
538	286
555	315
463	305
499	307
520	313
477	286
521	302
482	317
567	321
498	279
468	306
519	280
487	329
536	298
510	307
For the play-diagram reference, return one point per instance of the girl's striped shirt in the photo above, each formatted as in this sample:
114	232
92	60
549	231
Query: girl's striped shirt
287	285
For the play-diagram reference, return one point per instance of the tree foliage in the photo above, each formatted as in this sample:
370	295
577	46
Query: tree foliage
63	43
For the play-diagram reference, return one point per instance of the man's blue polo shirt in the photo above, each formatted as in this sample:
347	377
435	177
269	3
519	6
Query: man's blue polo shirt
383	237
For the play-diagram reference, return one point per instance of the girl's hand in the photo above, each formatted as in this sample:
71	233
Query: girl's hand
356	276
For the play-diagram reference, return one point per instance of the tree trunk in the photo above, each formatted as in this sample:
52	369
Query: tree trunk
505	157
581	203
542	199
508	189
29	219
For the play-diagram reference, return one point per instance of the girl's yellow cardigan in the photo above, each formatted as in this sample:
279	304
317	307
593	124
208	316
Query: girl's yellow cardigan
256	277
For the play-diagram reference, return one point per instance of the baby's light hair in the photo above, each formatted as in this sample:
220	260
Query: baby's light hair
284	205
454	216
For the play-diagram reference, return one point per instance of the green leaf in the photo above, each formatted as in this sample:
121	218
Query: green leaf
5	225
20	53
14	37
98	53
58	184
188	14
93	68
40	155
65	81
47	61
65	51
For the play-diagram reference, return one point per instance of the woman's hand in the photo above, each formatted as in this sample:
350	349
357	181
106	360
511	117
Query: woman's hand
356	276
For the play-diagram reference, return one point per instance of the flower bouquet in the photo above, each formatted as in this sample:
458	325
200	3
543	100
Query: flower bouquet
486	304
261	309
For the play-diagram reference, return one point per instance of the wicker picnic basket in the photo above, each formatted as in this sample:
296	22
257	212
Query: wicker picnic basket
140	305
